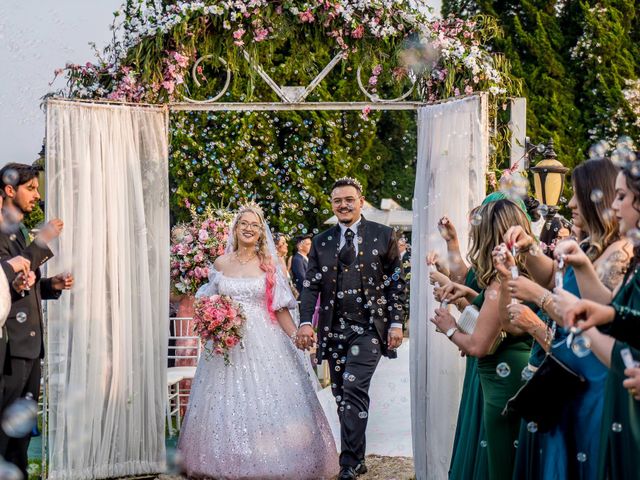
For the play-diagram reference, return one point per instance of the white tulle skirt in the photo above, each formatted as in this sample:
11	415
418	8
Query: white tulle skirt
258	418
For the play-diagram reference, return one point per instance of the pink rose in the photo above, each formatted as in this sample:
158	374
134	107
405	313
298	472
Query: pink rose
203	235
307	17
358	32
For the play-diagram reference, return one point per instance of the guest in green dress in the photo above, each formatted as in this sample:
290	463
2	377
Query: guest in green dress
502	351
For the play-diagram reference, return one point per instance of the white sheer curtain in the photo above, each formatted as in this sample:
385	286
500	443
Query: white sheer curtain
450	179
107	179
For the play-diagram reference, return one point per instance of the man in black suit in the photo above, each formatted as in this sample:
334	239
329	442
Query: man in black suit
355	269
300	261
19	187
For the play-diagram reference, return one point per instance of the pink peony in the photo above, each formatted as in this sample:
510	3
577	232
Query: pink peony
358	32
307	17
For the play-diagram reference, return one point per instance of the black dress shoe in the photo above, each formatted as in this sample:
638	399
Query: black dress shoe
347	473
361	468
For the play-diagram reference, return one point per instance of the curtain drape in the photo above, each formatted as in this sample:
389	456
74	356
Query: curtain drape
450	179
107	179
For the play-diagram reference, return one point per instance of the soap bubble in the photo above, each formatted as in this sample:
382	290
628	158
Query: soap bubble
633	236
9	471
582	457
527	373
483	443
355	350
596	195
363	415
11	177
616	427
21	317
19	418
503	370
581	346
532	427
476	219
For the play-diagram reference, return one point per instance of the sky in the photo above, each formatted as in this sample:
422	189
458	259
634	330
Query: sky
36	37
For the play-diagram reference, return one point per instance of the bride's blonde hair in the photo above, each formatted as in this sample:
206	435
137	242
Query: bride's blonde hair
262	250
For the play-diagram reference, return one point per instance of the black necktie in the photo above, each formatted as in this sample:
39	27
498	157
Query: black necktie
347	253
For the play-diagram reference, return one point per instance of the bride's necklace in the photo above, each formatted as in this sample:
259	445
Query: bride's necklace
244	262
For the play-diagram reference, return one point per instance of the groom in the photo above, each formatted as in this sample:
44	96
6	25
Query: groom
355	269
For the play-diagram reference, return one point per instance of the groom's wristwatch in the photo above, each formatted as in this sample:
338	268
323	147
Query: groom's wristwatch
451	331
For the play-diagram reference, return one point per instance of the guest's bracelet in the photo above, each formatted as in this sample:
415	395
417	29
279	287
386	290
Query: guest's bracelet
294	337
546	296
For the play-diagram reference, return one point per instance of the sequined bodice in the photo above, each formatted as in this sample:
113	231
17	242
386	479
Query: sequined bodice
248	291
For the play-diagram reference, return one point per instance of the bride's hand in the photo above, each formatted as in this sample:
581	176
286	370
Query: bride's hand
305	338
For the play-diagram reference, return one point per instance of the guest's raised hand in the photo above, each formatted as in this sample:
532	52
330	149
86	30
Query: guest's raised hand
62	281
447	229
443	320
19	264
437	278
435	260
453	291
524	289
570	251
50	231
633	382
586	314
23	281
523	317
502	261
562	301
519	237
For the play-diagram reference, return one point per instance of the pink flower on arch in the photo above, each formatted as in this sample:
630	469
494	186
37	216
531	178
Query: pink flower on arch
307	17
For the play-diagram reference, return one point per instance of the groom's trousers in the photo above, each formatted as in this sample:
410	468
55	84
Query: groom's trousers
353	360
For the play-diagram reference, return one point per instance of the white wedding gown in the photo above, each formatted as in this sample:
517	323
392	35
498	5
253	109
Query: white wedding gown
258	418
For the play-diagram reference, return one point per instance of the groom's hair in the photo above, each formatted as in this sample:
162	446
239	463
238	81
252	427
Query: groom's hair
347	182
16	174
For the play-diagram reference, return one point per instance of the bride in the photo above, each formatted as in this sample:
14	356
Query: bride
258	418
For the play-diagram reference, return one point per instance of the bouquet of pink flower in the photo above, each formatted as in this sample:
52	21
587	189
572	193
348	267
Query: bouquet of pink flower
195	246
218	319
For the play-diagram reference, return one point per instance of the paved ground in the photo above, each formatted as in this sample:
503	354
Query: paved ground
380	468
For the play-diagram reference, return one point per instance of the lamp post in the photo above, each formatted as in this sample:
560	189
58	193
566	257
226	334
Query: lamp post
548	180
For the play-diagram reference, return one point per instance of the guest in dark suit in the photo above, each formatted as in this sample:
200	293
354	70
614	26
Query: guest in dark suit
300	261
19	188
355	270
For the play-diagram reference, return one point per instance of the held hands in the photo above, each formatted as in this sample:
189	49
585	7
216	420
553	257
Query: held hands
588	314
306	337
62	281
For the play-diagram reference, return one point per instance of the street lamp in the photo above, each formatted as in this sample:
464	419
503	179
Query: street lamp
548	180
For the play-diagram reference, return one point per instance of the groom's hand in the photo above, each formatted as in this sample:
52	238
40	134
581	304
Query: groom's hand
305	337
394	338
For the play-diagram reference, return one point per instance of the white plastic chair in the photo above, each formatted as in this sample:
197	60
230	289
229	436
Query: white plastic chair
186	346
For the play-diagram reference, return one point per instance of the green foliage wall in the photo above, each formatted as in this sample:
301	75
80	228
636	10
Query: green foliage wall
573	58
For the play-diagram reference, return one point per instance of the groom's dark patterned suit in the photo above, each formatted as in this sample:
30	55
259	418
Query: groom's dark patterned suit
358	276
